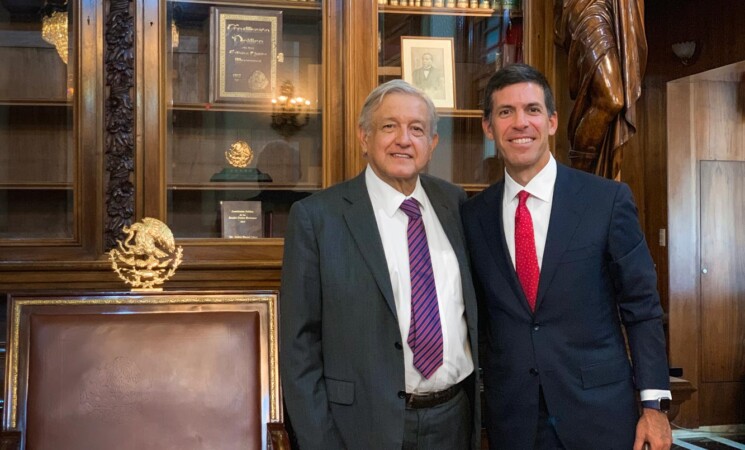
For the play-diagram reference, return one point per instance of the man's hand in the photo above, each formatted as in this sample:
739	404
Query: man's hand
653	429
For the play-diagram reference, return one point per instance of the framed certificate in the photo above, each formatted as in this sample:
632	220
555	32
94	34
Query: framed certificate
245	53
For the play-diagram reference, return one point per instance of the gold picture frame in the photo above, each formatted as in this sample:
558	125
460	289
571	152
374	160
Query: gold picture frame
429	64
246	47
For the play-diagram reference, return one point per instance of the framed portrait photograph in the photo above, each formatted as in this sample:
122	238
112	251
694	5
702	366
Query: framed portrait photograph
429	64
245	47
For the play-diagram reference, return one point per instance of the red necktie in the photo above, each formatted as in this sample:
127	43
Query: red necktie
526	259
425	331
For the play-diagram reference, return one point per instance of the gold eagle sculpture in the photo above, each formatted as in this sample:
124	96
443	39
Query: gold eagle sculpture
148	256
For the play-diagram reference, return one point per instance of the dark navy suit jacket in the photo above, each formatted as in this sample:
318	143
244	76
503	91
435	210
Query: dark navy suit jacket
596	278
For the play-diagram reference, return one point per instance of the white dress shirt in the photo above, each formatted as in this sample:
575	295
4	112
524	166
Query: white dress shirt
541	190
392	225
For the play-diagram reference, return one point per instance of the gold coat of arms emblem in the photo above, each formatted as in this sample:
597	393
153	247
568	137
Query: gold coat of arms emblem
148	256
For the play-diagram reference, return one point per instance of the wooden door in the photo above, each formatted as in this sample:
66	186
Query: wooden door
722	387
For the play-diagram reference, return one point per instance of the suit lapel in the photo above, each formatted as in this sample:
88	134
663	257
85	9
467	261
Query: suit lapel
566	211
493	232
360	219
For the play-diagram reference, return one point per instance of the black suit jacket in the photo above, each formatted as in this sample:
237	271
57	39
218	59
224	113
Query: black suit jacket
341	361
597	275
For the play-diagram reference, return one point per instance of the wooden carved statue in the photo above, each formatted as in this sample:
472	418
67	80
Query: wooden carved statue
607	55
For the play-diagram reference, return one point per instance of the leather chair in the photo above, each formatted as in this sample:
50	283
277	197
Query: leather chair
166	371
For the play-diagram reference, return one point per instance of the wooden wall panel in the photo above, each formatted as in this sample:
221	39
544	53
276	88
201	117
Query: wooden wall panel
706	314
684	329
723	283
720	402
718	105
652	151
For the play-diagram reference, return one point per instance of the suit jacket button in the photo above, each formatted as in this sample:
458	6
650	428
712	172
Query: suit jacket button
398	346
533	371
401	394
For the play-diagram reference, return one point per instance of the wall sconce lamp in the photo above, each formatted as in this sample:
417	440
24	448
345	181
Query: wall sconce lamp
286	110
685	52
54	27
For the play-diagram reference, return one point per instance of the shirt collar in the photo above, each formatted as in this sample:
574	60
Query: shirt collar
384	196
540	187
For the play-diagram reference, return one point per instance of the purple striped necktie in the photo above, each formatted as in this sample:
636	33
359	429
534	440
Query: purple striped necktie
425	331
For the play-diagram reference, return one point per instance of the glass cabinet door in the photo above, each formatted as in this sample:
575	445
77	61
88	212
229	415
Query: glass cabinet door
37	139
464	42
244	115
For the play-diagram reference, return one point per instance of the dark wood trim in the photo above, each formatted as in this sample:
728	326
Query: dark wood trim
119	119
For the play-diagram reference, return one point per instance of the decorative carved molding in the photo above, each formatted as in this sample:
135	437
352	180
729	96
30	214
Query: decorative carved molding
119	119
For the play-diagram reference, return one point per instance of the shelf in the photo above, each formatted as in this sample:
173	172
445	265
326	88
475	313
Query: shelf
248	186
231	243
466	113
445	11
35	186
238	107
389	71
287	4
34	102
474	188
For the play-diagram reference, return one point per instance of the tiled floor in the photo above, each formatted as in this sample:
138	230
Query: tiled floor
710	438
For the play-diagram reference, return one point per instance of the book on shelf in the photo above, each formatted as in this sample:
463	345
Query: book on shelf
241	219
